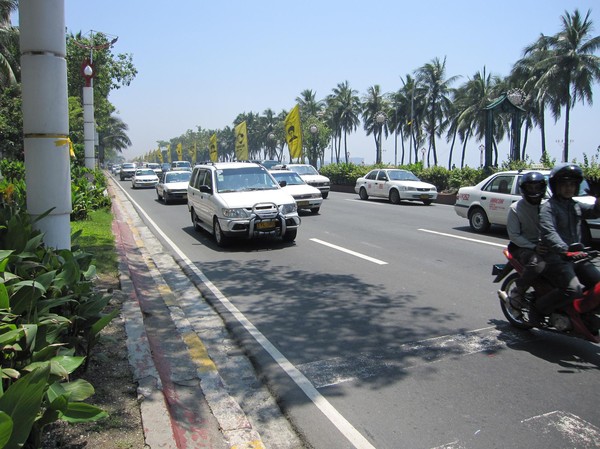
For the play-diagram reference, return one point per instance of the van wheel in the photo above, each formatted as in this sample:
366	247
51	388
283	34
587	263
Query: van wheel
220	238
290	235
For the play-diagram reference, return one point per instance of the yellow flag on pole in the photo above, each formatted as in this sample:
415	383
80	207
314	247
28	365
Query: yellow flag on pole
160	157
293	133
179	150
170	158
213	152
241	142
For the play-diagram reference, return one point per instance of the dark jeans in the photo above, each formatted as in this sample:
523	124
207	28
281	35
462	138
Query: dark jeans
533	266
570	279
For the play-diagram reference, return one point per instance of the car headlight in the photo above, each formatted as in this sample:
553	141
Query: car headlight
235	213
316	195
288	208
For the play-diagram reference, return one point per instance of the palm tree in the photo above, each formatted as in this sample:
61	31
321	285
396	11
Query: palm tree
432	76
373	104
526	73
9	44
114	134
345	107
571	68
309	106
470	99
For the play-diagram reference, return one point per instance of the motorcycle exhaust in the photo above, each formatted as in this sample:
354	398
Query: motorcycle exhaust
503	297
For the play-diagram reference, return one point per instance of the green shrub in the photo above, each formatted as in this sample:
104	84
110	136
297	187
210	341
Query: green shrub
50	318
12	170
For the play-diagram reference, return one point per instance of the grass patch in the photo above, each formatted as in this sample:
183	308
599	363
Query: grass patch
97	238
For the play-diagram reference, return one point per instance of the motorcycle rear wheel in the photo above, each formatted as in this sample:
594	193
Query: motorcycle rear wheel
515	317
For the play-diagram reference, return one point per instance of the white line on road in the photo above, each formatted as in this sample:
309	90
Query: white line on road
501	245
348	251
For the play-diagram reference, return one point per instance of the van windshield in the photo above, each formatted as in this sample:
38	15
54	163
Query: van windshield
244	179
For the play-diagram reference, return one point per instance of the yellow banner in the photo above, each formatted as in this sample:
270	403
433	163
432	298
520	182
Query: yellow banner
179	150
213	152
293	133
241	142
160	156
170	158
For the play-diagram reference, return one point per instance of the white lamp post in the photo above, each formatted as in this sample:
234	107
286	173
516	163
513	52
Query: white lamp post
380	118
481	150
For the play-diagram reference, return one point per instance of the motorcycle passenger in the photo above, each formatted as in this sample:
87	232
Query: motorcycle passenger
523	230
560	227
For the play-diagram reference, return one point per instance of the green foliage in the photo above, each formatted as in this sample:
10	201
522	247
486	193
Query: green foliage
50	319
591	166
438	176
88	192
344	173
12	169
11	123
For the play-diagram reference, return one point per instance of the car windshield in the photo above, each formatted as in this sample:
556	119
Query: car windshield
145	172
291	178
402	175
178	177
128	166
305	170
244	179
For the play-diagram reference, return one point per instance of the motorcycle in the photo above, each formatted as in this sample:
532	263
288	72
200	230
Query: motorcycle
579	319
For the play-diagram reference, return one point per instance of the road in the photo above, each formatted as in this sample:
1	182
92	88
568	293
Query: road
380	328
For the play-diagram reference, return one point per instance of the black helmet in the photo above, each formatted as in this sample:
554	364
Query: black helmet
533	187
565	172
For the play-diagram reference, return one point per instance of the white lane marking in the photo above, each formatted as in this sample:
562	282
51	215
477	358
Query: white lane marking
578	432
324	373
464	238
336	418
377	203
348	251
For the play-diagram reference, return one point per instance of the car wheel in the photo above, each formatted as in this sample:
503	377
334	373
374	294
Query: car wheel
394	196
427	202
363	194
290	235
478	220
166	198
324	194
315	210
220	238
195	220
158	195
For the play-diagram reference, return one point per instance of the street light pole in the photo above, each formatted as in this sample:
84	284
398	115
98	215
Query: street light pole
314	130
481	150
380	119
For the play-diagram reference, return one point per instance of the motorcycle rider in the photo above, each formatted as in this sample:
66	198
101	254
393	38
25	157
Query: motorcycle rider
523	230
560	227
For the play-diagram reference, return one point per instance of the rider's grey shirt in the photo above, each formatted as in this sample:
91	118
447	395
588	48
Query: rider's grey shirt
522	224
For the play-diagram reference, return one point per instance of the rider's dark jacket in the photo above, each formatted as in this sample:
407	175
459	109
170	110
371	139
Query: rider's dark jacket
560	224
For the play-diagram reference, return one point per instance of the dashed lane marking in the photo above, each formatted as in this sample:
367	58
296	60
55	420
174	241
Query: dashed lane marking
348	251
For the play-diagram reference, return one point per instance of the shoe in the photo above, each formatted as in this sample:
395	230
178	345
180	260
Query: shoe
535	317
516	299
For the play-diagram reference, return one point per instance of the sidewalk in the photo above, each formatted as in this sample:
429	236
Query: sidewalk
195	386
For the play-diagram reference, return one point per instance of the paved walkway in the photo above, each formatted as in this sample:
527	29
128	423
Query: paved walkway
196	387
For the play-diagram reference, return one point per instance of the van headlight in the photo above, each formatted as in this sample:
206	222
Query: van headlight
288	208
235	213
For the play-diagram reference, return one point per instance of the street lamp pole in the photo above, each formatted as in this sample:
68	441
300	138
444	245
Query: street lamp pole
481	150
314	130
380	119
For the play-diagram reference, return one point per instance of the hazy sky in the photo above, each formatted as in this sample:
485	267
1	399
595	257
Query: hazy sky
201	63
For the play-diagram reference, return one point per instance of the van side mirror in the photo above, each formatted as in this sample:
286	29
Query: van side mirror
282	183
205	189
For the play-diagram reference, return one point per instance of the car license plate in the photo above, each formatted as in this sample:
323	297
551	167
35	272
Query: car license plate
265	224
302	203
424	197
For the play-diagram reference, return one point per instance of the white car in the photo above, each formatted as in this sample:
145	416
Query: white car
240	199
396	185
173	186
307	197
310	175
156	167
144	177
488	202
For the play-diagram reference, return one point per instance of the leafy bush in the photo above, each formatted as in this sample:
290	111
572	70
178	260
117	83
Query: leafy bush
50	318
12	170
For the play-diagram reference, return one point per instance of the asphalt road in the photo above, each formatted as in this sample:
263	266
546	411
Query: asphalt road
380	327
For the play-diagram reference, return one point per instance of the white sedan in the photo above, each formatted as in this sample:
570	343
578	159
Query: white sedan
488	202
395	185
144	177
307	197
173	186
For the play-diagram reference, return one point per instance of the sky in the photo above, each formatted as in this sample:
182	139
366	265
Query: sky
201	63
